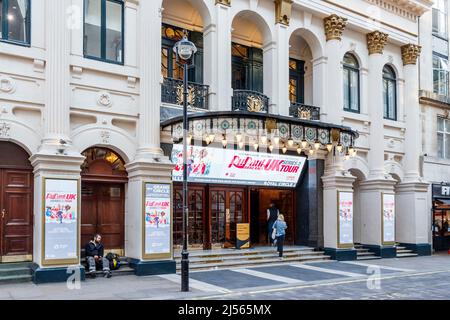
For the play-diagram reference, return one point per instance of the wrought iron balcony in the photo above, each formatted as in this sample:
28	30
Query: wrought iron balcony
251	101
172	92
303	111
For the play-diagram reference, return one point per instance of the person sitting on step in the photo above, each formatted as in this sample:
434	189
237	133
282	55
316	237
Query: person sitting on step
94	257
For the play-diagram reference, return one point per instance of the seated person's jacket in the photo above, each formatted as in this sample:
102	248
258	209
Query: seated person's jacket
94	249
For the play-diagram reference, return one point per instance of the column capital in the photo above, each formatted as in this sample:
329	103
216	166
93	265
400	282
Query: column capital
283	11
376	41
224	2
334	27
410	53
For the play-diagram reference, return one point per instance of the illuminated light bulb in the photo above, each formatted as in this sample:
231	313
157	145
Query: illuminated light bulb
311	151
224	142
351	149
354	153
276	140
241	144
207	140
317	145
304	143
347	156
189	139
212	137
284	149
290	142
299	150
256	146
339	147
329	147
271	147
264	139
239	137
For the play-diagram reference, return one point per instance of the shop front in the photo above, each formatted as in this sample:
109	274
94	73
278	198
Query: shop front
441	216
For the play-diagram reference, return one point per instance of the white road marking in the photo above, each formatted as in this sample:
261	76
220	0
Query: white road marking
339	272
199	285
376	265
268	276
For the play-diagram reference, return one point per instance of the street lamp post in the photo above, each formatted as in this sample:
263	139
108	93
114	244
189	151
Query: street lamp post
185	51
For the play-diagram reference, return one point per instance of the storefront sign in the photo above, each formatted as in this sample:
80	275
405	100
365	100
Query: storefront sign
242	235
225	166
60	221
388	218
345	208
441	191
157	219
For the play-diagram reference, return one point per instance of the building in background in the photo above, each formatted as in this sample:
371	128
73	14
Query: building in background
314	104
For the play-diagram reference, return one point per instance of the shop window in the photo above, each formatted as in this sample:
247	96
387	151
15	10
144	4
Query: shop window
103	30
15	21
443	138
440	18
389	93
351	83
440	74
296	81
169	67
247	68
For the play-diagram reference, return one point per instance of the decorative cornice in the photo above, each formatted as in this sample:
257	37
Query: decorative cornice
224	2
283	11
410	53
334	27
376	41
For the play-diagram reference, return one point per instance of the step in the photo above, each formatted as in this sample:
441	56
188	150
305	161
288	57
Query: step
400	248
406	255
15	265
15	279
254	262
367	253
232	252
405	251
368	257
15	271
122	271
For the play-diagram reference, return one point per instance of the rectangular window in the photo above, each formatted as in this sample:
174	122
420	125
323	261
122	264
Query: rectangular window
440	75
443	138
440	24
103	30
15	21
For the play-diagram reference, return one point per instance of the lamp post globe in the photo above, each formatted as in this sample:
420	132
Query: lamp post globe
185	48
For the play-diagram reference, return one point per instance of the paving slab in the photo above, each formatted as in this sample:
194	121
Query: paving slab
298	273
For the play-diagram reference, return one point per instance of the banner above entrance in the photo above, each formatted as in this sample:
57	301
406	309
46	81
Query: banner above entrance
225	166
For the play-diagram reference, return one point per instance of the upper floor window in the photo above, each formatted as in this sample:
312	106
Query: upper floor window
351	83
440	17
389	93
440	75
15	21
296	81
443	135
247	68
103	30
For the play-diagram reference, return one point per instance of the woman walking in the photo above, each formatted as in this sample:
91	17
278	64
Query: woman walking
280	232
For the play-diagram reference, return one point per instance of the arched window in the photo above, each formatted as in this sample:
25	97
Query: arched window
389	93
351	83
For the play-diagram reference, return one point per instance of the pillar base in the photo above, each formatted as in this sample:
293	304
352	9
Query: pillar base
341	254
382	251
152	268
52	275
422	249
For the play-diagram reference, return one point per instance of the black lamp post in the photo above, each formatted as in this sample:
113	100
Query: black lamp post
185	51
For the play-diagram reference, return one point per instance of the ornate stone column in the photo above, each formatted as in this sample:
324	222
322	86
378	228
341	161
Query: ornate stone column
378	182
334	27
413	223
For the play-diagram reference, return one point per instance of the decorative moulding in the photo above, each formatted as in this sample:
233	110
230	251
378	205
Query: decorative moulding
7	84
104	99
4	129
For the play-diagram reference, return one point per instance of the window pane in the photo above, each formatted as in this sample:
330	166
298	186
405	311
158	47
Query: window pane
440	145
391	97
354	96
346	90
447	146
17	20
92	28
385	100
114	45
164	63
1	18
440	124
293	90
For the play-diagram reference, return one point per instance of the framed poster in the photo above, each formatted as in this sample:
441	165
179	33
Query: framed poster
60	221
157	221
388	218
345	219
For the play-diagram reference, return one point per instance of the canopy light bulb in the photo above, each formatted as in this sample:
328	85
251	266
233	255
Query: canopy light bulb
311	151
339	147
299	150
264	139
304	143
317	145
224	142
290	142
284	149
276	140
329	147
256	146
241	144
212	137
189	139
239	137
271	147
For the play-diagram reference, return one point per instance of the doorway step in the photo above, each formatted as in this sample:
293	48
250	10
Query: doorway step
403	252
230	258
364	254
15	272
124	269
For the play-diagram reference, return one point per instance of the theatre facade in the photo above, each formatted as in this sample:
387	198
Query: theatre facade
312	105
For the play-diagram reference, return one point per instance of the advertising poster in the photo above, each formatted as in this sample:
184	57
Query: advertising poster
242	235
61	219
157	218
388	218
345	218
226	166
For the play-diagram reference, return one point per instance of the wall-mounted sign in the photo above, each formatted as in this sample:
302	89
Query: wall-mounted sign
60	221
345	219
242	235
157	220
388	218
441	191
226	166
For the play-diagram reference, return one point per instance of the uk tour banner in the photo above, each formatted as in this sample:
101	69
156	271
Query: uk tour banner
226	166
157	219
60	220
388	218
345	203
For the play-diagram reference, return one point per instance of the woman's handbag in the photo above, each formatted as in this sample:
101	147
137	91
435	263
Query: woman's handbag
274	232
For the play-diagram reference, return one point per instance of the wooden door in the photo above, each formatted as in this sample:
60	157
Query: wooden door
16	212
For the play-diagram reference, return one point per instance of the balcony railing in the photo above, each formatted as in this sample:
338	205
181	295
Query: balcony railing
172	92
303	111
252	101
